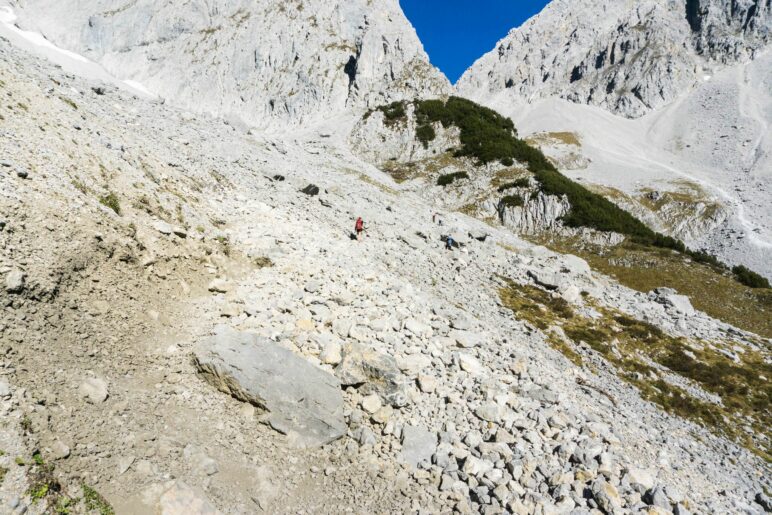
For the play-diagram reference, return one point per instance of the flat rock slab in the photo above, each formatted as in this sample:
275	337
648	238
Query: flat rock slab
301	400
181	499
418	445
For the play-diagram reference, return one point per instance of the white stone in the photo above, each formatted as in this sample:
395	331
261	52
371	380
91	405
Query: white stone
219	285
94	390
427	383
470	364
371	403
14	281
331	354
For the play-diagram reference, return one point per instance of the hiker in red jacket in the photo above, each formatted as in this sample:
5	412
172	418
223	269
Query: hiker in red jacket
359	228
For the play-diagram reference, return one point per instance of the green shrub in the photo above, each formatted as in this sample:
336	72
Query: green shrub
512	201
704	257
520	183
445	180
95	502
111	201
68	102
394	111
749	277
487	136
425	134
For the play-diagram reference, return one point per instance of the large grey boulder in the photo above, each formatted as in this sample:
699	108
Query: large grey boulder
672	300
301	400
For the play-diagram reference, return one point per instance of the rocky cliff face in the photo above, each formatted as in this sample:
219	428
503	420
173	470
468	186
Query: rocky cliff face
628	57
538	213
379	141
267	63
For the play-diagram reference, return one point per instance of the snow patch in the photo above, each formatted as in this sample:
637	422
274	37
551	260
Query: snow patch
138	86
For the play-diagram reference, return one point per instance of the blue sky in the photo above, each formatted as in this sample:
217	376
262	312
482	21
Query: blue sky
455	33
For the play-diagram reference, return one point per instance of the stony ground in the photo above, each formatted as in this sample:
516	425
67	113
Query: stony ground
131	230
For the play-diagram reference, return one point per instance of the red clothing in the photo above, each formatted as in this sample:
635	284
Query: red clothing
360	225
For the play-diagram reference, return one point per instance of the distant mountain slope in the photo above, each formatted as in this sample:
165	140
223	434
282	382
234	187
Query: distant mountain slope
661	94
626	56
268	63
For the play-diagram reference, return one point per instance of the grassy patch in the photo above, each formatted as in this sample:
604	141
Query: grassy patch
566	138
80	186
372	182
469	209
401	172
263	262
225	244
111	201
644	356
3	472
94	501
542	310
690	200
42	482
536	306
69	102
710	289
508	176
450	178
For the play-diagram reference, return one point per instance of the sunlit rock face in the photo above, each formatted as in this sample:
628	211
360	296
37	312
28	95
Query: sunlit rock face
267	63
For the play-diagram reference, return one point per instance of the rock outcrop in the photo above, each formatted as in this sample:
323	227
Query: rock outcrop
302	401
378	140
538	213
627	57
263	63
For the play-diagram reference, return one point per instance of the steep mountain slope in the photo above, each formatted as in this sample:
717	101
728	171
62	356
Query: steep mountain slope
626	56
264	62
138	240
131	230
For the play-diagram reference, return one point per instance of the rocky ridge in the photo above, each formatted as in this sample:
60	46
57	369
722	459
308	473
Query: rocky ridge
627	57
261	63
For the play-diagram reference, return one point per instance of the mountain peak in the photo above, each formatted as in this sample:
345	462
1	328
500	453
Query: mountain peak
627	57
267	63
